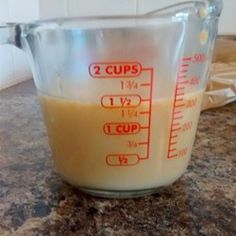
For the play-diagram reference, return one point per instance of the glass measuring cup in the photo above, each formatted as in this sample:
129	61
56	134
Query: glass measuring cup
121	95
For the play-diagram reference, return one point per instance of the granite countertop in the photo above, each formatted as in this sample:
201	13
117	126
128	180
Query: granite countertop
35	201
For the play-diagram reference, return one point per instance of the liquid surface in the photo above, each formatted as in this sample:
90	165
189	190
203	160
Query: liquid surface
80	145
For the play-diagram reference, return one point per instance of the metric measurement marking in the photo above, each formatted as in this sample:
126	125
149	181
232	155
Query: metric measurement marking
179	89
122	159
175	124
177	129
180	105
121	128
172	143
128	104
185	65
178	117
173	156
183	71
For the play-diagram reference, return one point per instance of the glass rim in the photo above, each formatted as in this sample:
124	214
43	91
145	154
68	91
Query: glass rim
169	11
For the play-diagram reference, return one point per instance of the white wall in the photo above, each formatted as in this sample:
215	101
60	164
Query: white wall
52	8
227	24
13	63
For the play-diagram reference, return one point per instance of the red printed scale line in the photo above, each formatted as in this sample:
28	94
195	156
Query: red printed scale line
149	118
178	104
135	158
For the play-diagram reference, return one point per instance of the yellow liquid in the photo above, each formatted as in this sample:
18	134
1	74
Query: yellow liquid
80	146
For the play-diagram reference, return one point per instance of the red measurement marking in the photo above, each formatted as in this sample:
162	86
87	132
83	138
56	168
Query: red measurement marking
144	112
183	82
181	88
143	143
178	118
177	129
179	99
115	69
177	112
146	100
199	58
195	80
182	77
179	94
176	124
121	128
183	71
149	118
145	84
178	103
145	127
173	143
120	101
172	150
132	144
191	103
122	159
173	156
129	84
185	65
182	152
187	126
129	113
187	59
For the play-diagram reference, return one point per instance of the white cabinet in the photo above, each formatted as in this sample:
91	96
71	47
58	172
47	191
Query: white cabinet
101	7
52	8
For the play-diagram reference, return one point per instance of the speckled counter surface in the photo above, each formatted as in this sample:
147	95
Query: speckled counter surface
35	201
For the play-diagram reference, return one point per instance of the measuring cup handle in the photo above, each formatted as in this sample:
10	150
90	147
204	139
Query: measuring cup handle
10	33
